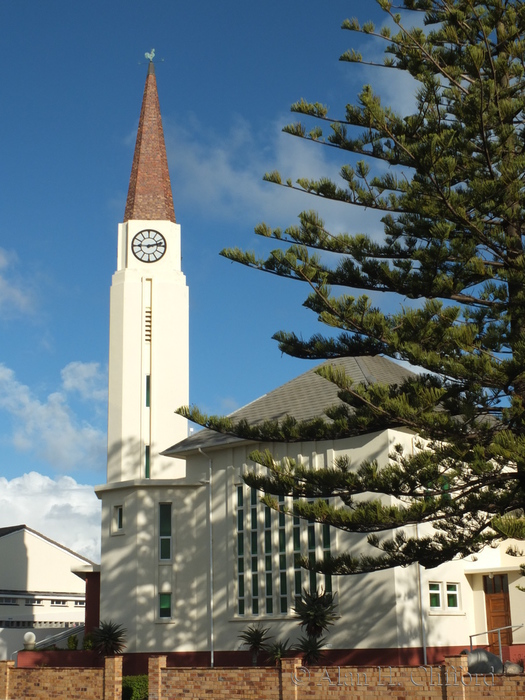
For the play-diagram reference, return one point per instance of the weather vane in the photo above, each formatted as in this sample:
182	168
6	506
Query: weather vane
150	56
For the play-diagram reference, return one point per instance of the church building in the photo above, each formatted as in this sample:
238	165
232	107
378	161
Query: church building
190	557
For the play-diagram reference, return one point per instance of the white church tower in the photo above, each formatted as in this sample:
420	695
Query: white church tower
148	381
149	337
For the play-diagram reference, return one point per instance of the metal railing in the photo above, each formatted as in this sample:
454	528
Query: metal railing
498	630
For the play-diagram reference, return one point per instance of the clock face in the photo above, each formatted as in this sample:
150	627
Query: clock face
148	246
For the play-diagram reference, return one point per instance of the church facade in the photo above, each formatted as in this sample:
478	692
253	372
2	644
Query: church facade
190	557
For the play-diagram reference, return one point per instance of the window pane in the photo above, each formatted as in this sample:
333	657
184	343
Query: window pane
165	605
146	463
148	390
165	547
434	595
452	595
326	536
165	519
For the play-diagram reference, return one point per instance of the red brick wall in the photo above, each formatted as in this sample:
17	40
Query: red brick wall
61	683
294	682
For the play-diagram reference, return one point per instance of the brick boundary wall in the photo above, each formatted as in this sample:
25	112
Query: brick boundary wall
65	683
449	681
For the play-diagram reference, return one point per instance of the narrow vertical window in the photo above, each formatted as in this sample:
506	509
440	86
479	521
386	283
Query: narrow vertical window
268	559
118	519
240	551
254	552
165	605
283	569
147	462
165	531
297	569
148	391
311	554
326	555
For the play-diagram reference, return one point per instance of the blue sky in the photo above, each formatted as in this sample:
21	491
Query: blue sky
73	79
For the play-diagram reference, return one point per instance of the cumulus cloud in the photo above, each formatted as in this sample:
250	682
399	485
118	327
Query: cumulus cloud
15	295
86	379
49	428
62	509
226	171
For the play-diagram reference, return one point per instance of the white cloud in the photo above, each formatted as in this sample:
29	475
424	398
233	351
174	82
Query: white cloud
15	295
226	171
49	428
85	378
62	509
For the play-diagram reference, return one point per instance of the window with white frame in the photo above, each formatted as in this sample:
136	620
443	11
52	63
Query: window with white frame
117	524
443	597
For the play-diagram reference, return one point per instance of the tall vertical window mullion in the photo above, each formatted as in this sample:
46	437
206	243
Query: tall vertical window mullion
268	560
240	550
326	555
283	568
311	554
165	531
254	552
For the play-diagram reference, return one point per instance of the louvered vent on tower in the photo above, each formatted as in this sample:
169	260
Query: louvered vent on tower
147	325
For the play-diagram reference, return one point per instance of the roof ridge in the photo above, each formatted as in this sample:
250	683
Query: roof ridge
9	530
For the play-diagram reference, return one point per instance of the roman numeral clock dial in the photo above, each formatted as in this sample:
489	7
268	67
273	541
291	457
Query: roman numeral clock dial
148	246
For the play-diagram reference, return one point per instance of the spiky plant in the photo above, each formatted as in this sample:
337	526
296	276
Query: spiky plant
109	638
256	638
278	650
311	649
316	612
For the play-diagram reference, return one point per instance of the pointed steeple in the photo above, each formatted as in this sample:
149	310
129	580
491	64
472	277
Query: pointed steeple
149	194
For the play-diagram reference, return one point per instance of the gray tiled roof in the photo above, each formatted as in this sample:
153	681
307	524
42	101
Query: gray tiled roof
304	397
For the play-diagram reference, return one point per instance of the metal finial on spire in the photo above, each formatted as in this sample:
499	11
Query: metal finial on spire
150	56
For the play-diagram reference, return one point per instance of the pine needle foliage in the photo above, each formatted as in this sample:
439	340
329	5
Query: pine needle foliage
448	182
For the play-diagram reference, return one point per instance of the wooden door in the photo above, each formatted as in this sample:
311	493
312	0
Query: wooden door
497	605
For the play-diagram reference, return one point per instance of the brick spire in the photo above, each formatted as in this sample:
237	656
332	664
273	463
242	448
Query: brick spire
149	194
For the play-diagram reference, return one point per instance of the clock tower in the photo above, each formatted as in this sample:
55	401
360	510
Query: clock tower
149	310
148	381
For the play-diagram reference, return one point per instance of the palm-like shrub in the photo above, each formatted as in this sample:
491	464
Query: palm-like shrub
278	650
109	638
256	638
316	612
311	649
